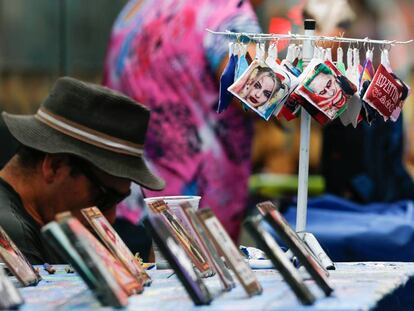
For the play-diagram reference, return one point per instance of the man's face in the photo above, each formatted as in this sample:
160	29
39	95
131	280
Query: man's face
86	187
324	85
106	191
260	91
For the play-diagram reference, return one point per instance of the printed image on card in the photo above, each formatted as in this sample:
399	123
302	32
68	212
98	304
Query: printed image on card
386	92
262	88
326	88
113	241
113	266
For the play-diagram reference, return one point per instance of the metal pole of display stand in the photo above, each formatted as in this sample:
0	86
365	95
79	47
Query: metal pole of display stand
305	128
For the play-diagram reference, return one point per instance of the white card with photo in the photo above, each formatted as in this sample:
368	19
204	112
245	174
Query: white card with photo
262	88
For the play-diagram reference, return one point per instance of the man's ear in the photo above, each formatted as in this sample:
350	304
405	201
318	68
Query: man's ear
54	166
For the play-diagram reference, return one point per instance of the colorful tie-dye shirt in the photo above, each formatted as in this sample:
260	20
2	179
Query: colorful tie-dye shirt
161	55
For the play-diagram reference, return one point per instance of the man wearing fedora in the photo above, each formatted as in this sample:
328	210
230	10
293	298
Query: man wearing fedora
83	147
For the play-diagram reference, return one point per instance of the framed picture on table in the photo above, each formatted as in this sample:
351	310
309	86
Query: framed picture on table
266	207
279	259
57	239
296	245
10	297
16	261
210	250
231	253
89	248
189	244
178	259
115	244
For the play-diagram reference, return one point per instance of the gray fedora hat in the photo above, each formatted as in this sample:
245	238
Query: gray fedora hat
93	122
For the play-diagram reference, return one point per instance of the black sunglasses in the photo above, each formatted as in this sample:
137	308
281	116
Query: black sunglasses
107	197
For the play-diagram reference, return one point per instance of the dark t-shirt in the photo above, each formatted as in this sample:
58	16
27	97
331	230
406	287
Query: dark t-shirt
22	228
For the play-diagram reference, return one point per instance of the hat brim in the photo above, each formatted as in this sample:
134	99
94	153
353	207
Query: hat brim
31	132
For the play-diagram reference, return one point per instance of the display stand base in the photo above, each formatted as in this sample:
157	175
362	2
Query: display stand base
317	250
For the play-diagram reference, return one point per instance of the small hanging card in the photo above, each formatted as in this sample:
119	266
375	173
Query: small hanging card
385	92
114	243
226	79
16	261
326	88
242	63
296	245
291	108
172	250
368	71
190	246
262	89
10	297
351	114
279	260
89	248
210	250
233	257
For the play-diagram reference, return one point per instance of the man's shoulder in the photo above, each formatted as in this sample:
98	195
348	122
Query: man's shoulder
13	218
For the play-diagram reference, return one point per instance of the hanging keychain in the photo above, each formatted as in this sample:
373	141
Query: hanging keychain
227	79
242	65
357	63
296	57
350	65
299	64
352	113
340	60
260	51
367	112
272	52
328	54
290	55
242	62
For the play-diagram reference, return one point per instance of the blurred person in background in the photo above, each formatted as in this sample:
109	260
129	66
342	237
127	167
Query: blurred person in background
163	56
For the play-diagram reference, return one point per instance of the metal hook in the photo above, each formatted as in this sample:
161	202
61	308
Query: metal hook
341	35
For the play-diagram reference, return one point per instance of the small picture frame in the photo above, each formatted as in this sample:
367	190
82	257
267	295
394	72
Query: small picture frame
296	245
209	248
81	238
178	259
326	88
58	240
10	297
115	244
262	88
16	261
279	260
189	244
231	253
266	207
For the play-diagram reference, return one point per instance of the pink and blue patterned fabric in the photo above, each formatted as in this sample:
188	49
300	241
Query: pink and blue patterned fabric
162	56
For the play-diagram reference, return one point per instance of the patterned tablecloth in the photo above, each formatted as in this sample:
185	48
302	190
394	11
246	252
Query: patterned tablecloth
358	286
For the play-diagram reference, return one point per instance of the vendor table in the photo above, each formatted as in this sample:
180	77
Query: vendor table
358	286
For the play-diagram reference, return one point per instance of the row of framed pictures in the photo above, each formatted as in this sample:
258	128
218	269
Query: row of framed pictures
196	246
208	246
